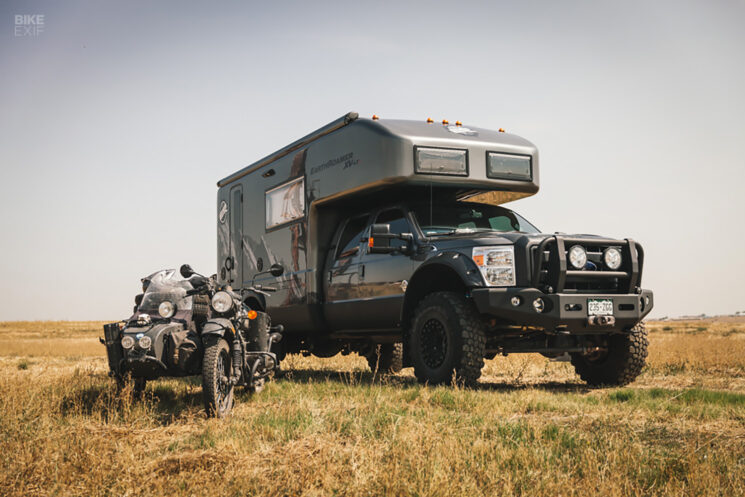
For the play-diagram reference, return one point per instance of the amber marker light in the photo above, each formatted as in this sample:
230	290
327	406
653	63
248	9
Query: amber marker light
458	123
444	121
375	117
501	130
430	120
252	314
370	242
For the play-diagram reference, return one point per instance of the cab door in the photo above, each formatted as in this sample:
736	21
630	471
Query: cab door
384	277
342	276
235	264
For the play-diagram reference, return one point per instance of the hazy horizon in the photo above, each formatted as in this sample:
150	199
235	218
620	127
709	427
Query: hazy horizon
119	118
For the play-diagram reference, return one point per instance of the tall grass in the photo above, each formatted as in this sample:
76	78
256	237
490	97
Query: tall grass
330	427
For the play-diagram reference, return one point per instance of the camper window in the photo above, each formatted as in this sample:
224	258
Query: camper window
285	203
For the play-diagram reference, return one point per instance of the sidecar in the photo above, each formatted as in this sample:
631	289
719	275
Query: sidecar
161	337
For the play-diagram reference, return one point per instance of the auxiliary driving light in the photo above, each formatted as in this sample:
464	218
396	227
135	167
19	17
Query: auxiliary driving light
577	256
145	342
515	301
612	258
128	342
538	305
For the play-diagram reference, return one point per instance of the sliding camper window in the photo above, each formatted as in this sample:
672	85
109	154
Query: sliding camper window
285	203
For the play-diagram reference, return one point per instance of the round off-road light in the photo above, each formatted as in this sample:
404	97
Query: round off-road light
612	258
145	342
515	301
166	309
577	256
128	342
222	302
538	305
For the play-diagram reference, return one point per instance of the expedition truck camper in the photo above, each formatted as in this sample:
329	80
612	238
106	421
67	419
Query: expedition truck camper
395	246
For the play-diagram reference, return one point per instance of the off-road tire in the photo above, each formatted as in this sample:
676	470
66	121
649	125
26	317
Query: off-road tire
217	401
623	362
386	358
457	319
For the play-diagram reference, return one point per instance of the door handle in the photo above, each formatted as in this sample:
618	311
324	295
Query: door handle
362	270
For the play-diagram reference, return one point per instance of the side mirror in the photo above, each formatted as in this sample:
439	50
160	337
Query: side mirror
276	270
186	271
380	239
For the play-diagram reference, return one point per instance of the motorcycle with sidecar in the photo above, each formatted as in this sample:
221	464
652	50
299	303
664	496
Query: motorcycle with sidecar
185	325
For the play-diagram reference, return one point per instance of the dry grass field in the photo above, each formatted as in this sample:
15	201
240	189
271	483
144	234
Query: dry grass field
332	428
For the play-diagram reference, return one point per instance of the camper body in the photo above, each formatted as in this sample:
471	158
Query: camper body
391	232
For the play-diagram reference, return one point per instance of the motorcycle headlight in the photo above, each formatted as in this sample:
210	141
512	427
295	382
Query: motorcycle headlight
128	342
497	264
577	257
166	309
145	342
222	302
612	258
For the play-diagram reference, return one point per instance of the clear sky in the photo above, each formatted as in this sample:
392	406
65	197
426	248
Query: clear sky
118	118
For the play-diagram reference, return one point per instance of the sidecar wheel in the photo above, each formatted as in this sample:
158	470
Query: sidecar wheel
139	389
135	385
216	369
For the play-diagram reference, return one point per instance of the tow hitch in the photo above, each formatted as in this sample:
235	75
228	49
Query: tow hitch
601	320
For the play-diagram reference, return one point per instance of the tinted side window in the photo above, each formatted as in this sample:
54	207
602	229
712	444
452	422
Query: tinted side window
398	222
350	236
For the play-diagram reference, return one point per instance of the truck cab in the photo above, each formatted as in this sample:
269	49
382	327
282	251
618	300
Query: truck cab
397	246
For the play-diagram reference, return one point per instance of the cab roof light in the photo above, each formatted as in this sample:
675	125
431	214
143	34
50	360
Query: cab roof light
501	130
375	117
458	123
444	122
430	120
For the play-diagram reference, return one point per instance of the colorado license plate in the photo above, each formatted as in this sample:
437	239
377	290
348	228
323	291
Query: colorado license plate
599	307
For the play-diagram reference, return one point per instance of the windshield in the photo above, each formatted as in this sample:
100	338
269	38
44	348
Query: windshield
165	285
468	217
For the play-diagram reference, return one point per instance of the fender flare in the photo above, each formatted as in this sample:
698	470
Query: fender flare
218	327
257	297
450	263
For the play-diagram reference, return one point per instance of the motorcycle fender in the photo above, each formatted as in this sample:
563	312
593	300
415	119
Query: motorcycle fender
218	327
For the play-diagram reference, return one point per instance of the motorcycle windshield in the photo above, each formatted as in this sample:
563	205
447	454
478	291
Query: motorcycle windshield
166	285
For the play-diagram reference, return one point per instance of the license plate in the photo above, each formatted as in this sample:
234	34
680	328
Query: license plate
599	307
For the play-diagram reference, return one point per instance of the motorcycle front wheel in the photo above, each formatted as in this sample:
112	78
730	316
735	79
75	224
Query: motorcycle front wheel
216	388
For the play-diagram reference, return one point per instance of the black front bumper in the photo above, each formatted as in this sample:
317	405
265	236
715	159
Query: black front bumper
561	311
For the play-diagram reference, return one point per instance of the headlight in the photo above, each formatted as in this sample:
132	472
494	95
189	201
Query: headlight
128	342
441	161
577	256
222	302
145	342
612	258
497	264
166	309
